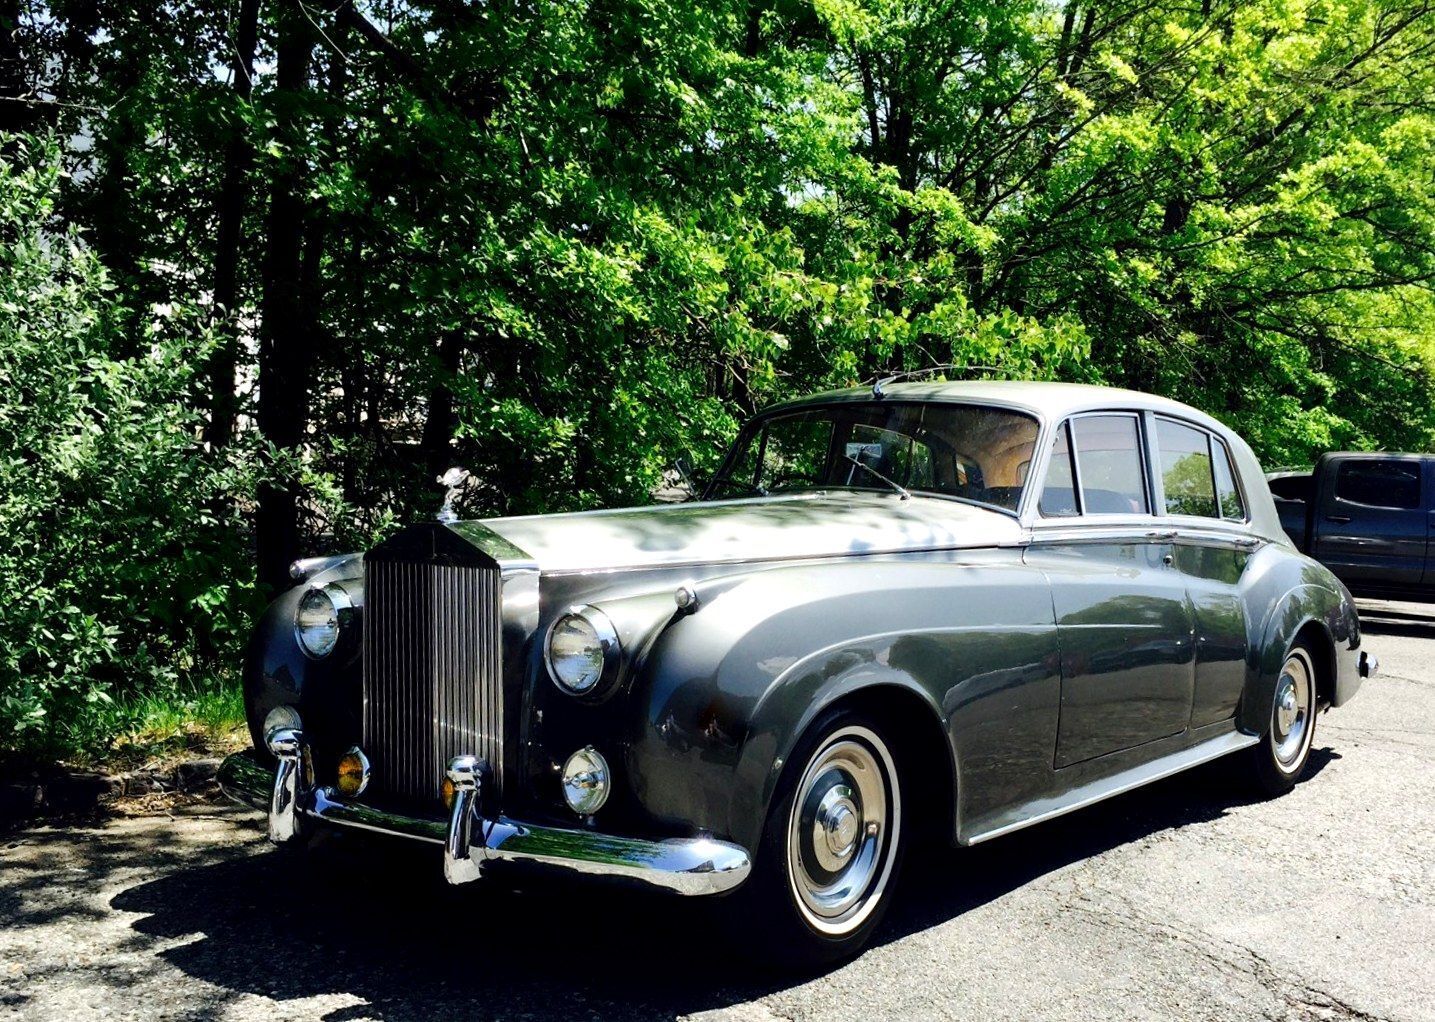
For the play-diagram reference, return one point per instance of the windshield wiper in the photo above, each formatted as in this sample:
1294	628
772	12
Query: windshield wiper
901	490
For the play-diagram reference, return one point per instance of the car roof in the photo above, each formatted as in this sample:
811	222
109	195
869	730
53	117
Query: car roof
1044	399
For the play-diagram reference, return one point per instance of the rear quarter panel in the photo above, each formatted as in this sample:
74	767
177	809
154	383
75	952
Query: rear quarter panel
1288	593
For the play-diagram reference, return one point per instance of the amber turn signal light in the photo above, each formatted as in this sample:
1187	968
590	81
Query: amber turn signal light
353	773
448	792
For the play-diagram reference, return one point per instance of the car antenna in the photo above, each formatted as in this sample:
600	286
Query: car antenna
879	383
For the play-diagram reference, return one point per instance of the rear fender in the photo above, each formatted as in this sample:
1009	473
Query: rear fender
1318	606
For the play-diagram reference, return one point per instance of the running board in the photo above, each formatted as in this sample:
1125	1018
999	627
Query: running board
1117	784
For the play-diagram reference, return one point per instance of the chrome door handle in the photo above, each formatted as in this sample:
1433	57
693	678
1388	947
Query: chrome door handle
1338	519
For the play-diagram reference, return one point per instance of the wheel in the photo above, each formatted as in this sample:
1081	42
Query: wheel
831	847
1281	756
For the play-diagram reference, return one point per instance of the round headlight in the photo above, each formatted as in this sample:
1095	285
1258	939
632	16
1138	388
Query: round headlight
318	619
581	645
585	781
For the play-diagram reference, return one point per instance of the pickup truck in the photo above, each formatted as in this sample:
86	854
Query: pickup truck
1367	518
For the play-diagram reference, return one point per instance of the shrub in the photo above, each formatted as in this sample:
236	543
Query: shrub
123	568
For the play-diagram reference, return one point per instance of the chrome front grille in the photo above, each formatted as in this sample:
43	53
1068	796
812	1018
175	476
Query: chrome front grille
432	673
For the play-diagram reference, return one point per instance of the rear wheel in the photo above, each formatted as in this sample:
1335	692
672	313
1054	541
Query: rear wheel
831	848
1284	750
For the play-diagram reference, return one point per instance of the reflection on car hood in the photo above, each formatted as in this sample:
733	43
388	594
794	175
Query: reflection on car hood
821	524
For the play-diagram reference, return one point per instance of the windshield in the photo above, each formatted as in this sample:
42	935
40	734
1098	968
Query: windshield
970	452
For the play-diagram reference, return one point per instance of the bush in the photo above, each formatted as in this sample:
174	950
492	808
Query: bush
123	568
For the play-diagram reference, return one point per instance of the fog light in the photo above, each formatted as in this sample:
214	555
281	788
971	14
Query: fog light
585	781
281	718
353	773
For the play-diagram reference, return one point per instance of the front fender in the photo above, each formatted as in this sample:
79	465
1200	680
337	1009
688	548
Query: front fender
727	693
278	673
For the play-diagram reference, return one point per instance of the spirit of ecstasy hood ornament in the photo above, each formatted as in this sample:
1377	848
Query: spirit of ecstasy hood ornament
453	479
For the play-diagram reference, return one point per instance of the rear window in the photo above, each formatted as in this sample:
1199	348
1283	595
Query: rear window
1373	483
1108	461
1186	476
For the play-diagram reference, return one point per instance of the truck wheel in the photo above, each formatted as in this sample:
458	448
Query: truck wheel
1280	757
831	848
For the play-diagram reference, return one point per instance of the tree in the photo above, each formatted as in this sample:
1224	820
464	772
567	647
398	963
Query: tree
286	338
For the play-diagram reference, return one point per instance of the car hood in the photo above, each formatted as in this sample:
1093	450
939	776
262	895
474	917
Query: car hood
821	524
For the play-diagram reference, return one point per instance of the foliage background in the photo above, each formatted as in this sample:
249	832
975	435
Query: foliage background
271	265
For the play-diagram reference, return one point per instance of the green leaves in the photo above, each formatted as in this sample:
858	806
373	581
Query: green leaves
118	562
564	243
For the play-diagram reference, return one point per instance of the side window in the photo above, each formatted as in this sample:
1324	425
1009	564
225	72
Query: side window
1228	494
1058	493
1292	487
1108	458
1186	474
1392	484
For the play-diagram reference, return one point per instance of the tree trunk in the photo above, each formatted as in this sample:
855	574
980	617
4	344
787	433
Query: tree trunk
238	157
285	347
439	426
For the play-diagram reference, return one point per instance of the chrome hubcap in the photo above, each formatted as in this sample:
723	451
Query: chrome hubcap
1291	716
835	827
844	824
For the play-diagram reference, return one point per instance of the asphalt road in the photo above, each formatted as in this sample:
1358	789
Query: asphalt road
1182	901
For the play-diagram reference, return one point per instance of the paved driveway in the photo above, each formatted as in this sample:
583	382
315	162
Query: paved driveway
1181	901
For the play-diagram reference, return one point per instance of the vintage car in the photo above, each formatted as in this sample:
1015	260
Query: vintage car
917	611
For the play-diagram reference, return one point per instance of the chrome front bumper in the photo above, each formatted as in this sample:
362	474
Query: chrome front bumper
689	866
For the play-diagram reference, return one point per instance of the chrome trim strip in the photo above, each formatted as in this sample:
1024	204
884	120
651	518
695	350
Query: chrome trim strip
687	866
1107	787
1153	531
1140	532
737	562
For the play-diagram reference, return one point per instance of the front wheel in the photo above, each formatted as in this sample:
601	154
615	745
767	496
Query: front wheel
831	847
1281	756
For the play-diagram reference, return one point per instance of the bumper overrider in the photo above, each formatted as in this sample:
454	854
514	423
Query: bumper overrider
689	866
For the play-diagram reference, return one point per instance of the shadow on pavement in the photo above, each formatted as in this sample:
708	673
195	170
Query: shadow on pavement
375	924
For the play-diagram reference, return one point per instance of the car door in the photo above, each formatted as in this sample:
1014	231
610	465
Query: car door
1373	527
1123	623
1198	492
